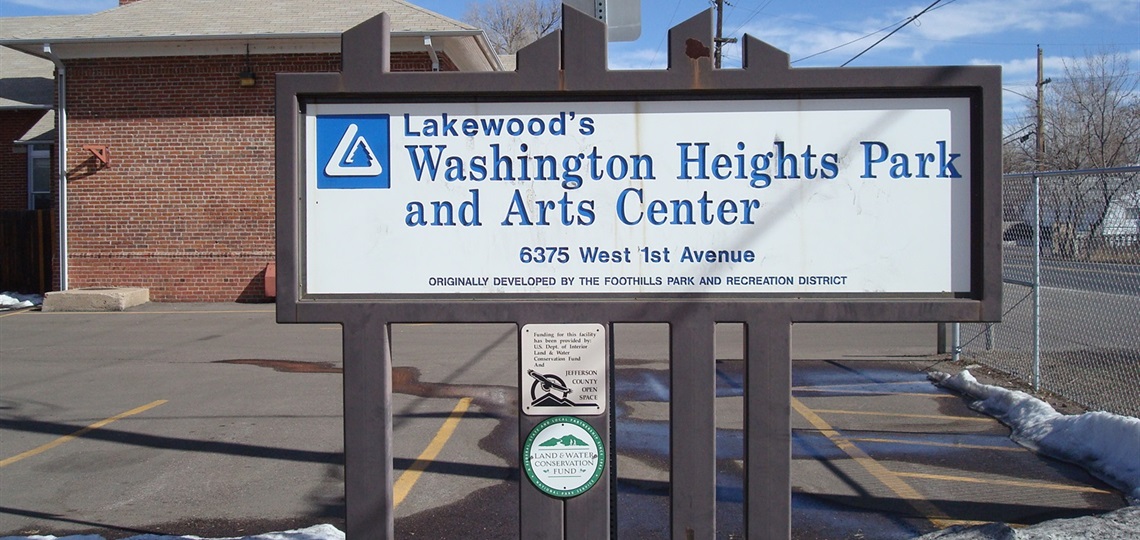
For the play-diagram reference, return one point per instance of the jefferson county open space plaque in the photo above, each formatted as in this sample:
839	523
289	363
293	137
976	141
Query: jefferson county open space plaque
564	369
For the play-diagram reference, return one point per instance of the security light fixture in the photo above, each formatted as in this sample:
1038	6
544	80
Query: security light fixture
247	78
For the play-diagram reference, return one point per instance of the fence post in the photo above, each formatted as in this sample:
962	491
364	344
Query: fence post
1036	322
956	341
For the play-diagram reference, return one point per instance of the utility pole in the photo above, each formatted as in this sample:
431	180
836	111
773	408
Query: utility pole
1041	82
720	39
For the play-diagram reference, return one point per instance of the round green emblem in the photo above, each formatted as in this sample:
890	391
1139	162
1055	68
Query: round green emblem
564	456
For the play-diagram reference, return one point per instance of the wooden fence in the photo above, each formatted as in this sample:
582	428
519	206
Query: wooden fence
26	247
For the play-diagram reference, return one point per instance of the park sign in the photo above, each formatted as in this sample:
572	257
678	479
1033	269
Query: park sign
566	198
645	197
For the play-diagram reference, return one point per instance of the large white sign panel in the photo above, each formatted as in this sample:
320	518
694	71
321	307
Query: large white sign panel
651	197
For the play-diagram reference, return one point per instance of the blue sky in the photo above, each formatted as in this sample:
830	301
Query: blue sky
954	32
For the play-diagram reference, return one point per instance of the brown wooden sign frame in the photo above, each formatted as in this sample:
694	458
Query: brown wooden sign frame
555	68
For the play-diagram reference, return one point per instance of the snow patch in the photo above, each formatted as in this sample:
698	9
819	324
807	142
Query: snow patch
11	300
1105	444
1123	524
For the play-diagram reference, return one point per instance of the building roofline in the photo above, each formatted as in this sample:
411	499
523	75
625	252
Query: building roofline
226	37
25	107
34	46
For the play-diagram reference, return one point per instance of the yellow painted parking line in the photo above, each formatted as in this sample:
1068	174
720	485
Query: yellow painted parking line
904	491
1003	482
407	480
840	390
943	445
80	433
906	415
15	312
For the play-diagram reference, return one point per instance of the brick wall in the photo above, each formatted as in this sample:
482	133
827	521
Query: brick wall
419	62
186	206
14	166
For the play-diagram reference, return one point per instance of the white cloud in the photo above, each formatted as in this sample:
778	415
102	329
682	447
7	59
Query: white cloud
973	18
801	38
1117	10
1024	70
939	31
1019	77
624	58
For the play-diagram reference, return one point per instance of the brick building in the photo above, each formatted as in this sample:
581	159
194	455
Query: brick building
166	121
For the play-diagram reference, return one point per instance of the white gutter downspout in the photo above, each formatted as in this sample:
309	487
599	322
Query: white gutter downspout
431	53
61	151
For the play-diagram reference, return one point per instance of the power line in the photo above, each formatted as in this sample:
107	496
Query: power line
1010	136
900	23
892	32
840	46
1012	91
755	12
670	25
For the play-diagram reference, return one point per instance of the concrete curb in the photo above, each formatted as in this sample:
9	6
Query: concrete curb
96	299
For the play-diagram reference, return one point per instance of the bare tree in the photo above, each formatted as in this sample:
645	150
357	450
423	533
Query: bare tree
1092	121
1096	114
513	24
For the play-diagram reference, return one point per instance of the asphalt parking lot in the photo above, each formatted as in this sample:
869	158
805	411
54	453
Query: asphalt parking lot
210	419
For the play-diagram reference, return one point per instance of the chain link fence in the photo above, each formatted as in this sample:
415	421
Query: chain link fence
1071	272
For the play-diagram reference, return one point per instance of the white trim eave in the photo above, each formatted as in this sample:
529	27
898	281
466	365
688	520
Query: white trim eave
488	51
26	107
142	46
32	45
224	37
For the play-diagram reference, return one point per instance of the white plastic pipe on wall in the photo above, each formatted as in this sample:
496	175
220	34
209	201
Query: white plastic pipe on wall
61	149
